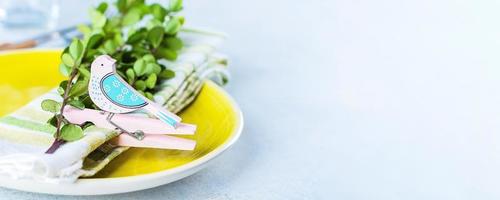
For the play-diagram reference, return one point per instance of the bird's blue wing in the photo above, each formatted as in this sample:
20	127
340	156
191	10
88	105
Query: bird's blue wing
120	93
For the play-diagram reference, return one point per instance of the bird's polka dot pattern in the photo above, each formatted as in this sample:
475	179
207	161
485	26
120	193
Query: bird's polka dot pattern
120	97
97	96
116	83
120	94
124	91
133	97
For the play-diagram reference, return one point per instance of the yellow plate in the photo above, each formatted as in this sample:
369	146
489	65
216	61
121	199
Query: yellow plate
30	73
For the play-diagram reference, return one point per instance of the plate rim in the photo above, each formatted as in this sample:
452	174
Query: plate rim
157	178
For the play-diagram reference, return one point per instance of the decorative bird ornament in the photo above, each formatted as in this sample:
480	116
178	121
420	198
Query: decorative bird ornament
111	93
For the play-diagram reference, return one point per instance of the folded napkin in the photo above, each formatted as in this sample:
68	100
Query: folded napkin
25	135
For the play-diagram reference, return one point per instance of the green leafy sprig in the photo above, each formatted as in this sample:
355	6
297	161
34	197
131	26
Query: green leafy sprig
137	37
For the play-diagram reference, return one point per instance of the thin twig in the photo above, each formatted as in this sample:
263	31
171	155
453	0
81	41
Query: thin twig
57	141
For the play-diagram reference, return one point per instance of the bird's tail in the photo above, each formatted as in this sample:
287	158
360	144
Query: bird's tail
163	114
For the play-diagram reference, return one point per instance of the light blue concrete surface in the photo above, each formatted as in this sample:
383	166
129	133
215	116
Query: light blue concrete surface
350	100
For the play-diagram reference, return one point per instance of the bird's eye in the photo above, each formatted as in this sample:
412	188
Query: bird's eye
102	64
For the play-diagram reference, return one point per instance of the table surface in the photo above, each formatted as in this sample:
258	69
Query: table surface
349	100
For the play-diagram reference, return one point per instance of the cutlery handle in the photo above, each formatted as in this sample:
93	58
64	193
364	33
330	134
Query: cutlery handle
20	45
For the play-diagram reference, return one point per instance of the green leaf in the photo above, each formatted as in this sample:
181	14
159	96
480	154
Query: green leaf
224	80
156	69
79	88
140	85
173	25
166	53
102	7
155	36
98	19
132	17
130	75
64	70
139	67
150	68
87	125
62	87
112	25
60	91
158	12
76	49
121	5
84	71
77	104
50	105
175	5
65	50
109	46
67	60
84	29
149	58
151	81
63	84
71	132
53	121
173	43
136	37
149	95
94	40
152	23
181	19
141	6
118	39
167	74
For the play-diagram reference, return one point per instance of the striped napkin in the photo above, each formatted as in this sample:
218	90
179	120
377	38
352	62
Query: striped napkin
24	134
